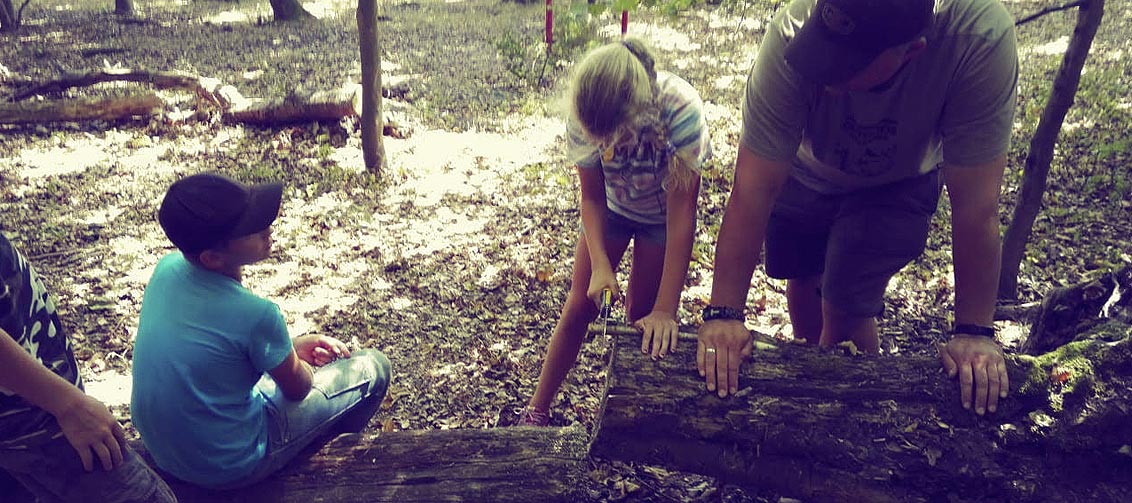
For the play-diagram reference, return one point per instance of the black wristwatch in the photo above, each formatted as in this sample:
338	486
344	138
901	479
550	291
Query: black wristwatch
972	329
722	313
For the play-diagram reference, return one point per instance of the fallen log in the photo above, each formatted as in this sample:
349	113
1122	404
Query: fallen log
80	109
299	106
833	428
504	464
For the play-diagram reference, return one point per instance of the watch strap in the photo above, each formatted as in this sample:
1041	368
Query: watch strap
722	313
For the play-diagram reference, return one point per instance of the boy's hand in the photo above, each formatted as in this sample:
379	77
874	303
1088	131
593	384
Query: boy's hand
89	426
318	350
658	330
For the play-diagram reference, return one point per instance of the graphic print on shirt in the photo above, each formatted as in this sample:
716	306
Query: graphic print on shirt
866	150
633	171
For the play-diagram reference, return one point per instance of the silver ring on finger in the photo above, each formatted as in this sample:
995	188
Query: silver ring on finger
710	350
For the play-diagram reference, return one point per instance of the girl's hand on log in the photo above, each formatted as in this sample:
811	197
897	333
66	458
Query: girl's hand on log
722	346
981	368
658	330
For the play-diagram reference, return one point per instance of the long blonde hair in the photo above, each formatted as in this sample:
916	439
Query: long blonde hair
613	97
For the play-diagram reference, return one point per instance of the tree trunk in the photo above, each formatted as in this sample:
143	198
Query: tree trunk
503	464
82	109
289	10
1041	147
831	428
373	146
124	7
8	21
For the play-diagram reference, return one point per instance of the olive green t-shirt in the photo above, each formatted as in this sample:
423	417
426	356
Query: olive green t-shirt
954	104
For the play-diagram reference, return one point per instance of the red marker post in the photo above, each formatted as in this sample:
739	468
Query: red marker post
624	21
549	25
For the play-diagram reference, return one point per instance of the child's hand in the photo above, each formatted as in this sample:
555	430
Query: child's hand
319	350
660	331
603	280
94	433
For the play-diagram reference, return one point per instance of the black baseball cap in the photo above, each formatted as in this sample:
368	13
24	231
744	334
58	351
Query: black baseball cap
205	210
841	37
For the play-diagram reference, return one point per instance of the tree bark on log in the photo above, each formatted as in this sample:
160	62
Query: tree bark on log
1038	160
82	109
373	146
503	464
832	428
298	107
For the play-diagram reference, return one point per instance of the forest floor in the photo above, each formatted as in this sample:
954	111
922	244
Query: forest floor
456	261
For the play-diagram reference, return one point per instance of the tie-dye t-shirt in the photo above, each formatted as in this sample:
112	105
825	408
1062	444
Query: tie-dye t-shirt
635	172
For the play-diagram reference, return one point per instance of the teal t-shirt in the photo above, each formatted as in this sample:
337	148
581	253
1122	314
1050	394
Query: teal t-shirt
203	342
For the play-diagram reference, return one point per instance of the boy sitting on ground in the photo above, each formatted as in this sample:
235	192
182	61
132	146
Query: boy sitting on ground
222	396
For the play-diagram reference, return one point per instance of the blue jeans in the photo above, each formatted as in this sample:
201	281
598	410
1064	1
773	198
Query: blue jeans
344	396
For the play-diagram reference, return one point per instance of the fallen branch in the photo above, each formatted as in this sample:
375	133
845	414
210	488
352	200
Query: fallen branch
81	109
1050	10
202	86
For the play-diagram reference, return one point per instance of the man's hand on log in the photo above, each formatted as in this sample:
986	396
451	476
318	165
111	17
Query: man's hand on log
723	344
981	368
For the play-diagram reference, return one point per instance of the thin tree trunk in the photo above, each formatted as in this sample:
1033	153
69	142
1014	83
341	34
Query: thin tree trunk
289	10
1042	144
8	22
124	7
373	147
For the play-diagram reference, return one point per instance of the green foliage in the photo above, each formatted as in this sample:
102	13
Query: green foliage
259	172
528	58
325	149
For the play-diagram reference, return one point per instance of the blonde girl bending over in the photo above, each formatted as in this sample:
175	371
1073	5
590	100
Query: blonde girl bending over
637	138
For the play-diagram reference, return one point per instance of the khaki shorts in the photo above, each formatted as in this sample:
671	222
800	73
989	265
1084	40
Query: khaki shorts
855	241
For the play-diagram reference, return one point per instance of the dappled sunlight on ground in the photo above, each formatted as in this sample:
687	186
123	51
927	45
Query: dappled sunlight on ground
664	38
111	388
1053	48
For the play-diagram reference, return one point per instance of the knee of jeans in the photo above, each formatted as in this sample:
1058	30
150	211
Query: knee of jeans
376	363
